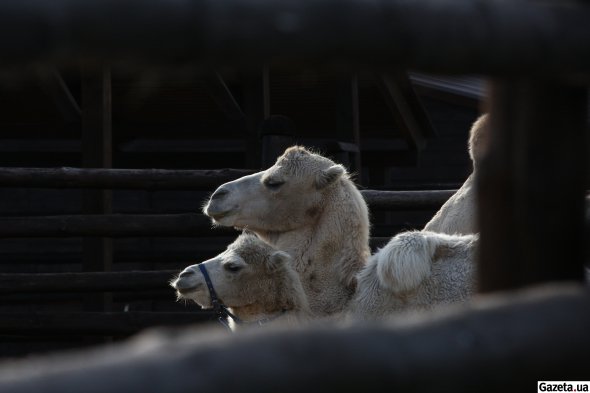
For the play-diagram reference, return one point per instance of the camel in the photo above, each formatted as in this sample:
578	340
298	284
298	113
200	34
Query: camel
307	206
458	214
258	283
255	281
419	270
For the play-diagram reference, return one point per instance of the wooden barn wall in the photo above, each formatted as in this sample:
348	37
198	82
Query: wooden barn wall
170	121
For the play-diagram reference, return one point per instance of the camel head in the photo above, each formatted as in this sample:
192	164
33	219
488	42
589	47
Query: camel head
287	196
479	139
245	274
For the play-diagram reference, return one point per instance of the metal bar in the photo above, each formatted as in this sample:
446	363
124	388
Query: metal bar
531	185
145	179
480	36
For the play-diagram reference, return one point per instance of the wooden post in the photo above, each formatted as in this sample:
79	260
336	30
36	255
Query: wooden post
531	185
277	133
348	120
97	153
256	106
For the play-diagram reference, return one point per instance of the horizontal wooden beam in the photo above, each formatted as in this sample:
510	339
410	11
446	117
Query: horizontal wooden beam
110	225
90	323
401	200
184	224
478	36
502	341
85	282
145	179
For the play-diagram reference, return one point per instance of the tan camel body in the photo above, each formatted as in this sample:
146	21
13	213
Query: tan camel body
458	214
421	270
257	281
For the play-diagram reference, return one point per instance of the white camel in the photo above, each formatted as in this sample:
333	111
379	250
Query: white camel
458	214
255	281
307	206
427	269
416	271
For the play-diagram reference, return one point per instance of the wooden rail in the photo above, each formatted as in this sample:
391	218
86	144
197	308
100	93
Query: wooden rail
94	323
145	179
85	282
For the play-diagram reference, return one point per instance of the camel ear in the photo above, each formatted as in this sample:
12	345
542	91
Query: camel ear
278	259
329	176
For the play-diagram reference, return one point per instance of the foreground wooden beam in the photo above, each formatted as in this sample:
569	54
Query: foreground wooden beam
532	183
502	341
475	36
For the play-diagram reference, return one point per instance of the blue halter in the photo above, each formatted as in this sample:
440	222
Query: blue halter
218	307
223	313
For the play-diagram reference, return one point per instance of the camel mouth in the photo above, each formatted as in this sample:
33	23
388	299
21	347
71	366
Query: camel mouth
184	289
218	216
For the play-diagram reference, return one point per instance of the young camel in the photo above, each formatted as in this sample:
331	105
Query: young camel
307	206
255	281
457	215
430	269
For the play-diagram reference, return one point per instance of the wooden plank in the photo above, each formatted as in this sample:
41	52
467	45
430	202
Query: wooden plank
532	183
11	283
144	179
401	200
277	133
90	323
57	90
223	97
111	225
347	122
97	153
256	106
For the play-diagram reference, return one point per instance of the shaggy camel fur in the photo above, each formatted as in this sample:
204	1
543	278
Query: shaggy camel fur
254	280
427	269
307	206
418	270
457	215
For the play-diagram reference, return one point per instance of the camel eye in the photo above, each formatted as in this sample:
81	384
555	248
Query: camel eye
273	184
230	267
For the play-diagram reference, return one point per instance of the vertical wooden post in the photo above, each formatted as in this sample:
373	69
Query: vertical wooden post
277	133
97	153
348	124
531	185
256	107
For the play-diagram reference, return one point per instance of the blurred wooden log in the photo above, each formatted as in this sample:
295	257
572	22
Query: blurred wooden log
500	343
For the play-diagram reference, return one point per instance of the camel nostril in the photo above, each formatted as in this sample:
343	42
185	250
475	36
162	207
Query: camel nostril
220	193
186	273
